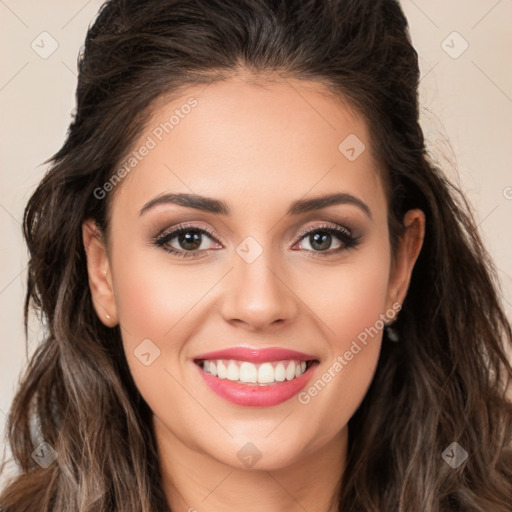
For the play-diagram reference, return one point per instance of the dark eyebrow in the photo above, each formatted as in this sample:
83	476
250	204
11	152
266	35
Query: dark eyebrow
211	205
206	204
316	203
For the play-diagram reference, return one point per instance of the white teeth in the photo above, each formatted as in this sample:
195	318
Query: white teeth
233	372
279	372
290	371
266	374
221	369
250	373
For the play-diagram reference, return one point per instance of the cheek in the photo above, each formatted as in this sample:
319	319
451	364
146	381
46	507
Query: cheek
153	294
157	302
349	297
350	309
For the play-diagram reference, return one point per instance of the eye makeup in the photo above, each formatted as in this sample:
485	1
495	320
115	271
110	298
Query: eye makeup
182	233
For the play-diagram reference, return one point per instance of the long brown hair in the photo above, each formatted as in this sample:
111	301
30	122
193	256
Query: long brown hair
445	382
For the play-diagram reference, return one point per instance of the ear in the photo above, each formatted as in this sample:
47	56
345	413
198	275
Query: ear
408	249
100	277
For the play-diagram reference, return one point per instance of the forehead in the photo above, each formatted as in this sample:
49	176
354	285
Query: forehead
247	142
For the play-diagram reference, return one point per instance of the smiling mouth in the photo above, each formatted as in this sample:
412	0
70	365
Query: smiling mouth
260	374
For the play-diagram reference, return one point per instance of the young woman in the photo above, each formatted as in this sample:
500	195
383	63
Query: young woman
259	292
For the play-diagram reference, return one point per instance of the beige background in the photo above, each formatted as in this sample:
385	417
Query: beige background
466	103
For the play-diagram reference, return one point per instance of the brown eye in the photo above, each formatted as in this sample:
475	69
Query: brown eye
320	240
188	241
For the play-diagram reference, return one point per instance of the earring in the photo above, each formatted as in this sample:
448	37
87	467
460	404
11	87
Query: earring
107	315
392	334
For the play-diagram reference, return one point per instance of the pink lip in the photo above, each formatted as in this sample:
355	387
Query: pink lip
256	355
257	396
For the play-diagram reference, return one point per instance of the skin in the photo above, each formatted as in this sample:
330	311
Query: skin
258	149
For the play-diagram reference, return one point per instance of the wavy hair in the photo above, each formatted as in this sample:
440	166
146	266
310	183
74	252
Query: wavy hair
446	381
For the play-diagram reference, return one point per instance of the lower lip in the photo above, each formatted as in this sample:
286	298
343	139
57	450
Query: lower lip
257	396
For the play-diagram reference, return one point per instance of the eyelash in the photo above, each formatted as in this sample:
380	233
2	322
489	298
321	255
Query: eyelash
343	234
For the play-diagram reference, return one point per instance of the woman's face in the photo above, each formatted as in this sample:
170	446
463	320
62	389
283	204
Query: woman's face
244	274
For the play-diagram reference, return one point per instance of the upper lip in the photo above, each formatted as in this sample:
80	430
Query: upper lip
254	355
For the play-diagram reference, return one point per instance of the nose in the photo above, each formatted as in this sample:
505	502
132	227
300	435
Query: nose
257	296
